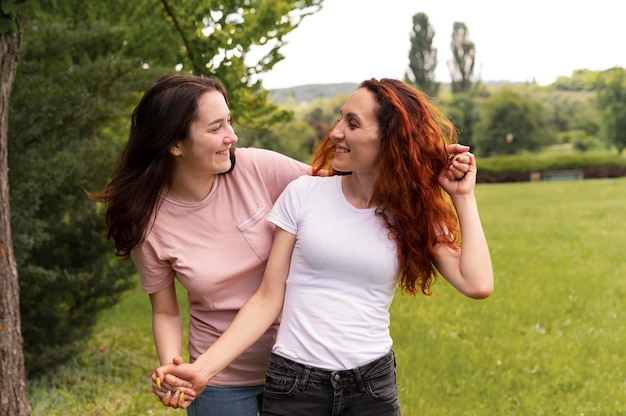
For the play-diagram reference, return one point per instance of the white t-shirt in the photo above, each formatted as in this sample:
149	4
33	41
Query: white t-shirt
217	248
342	278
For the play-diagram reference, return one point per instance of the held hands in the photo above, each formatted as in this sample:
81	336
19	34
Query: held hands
179	376
170	390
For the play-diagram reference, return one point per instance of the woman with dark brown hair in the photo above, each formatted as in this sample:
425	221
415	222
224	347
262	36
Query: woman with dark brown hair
390	214
185	205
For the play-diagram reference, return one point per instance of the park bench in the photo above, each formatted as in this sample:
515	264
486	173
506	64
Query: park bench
562	175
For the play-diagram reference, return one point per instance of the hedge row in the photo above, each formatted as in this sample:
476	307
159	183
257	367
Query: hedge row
527	167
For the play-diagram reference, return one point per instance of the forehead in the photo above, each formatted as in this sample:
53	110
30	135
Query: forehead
212	98
212	104
360	103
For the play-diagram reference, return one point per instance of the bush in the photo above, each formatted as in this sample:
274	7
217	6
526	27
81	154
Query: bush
518	168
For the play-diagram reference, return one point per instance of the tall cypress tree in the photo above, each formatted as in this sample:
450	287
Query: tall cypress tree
422	57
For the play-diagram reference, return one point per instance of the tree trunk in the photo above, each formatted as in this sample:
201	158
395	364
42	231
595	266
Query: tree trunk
13	398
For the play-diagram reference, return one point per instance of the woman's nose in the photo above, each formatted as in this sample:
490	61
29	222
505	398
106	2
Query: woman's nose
231	137
336	133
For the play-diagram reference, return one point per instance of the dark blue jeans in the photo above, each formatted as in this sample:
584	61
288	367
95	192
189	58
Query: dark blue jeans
227	401
293	389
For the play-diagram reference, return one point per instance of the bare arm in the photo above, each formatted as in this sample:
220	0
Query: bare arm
167	324
254	318
167	330
469	269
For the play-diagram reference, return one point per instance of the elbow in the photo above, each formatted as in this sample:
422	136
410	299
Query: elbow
481	294
481	291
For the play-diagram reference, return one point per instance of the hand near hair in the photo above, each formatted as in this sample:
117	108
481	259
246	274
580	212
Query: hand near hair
459	175
172	391
458	152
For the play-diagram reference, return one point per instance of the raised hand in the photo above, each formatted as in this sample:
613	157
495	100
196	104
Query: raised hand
459	175
460	154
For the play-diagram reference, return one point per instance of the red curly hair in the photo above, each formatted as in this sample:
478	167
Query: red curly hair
416	209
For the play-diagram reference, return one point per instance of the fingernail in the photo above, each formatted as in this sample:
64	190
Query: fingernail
182	397
168	395
158	381
176	394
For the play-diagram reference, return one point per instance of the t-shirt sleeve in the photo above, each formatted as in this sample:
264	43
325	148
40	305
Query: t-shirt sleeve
284	214
155	274
278	170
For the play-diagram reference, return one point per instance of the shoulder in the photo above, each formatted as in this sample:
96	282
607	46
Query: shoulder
268	162
254	154
313	183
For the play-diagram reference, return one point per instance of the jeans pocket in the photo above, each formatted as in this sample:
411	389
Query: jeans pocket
279	385
383	387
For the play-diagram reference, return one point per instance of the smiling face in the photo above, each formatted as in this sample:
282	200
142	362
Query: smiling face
357	135
211	135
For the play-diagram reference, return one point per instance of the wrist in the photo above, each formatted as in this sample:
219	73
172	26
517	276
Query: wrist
463	199
204	366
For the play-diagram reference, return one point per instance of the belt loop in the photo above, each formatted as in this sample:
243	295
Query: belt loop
305	378
359	382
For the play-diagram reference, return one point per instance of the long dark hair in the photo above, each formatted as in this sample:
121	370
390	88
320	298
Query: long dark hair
161	118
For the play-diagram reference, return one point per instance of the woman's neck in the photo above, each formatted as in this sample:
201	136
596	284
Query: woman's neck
190	189
359	190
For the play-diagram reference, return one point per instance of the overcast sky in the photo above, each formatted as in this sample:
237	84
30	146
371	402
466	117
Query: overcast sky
352	40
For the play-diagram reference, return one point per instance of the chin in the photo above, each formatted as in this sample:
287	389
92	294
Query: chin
224	167
341	169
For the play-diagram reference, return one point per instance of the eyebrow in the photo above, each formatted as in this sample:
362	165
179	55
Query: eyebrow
218	120
353	115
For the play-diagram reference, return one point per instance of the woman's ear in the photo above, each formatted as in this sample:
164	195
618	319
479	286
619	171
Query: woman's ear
176	149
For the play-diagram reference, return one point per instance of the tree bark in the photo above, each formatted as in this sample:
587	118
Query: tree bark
13	393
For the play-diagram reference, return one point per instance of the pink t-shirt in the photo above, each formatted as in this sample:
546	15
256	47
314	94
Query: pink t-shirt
218	248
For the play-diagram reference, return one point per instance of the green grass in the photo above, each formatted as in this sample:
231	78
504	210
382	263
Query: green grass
112	375
549	341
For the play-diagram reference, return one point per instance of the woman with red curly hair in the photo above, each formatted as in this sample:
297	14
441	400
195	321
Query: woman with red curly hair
390	214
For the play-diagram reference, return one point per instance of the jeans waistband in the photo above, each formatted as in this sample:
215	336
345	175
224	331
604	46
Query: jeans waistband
372	369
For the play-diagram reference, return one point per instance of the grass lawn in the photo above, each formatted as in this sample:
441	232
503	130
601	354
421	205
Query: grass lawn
550	340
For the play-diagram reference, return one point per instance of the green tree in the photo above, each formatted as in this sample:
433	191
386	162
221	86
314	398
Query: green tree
612	103
321	119
463	58
65	131
573	114
422	57
580	80
463	111
511	122
289	138
13	15
203	38
85	66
